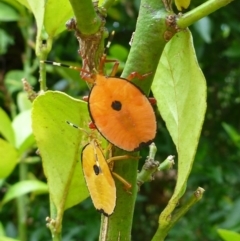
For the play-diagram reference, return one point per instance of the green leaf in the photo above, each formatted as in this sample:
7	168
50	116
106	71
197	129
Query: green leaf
8	13
2	181
233	134
55	23
180	90
2	232
119	52
38	8
24	187
59	145
23	102
6	40
71	77
8	157
232	218
6	129
232	51
13	80
25	3
228	235
23	131
21	9
46	20
204	27
8	239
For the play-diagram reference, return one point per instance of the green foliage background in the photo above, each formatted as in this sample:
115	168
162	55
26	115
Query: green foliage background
216	166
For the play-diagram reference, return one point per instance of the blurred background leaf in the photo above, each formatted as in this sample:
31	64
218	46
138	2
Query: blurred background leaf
227	235
8	157
24	187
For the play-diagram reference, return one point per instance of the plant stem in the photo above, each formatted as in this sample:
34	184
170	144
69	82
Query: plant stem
52	222
162	232
166	164
148	42
149	168
120	223
147	47
88	22
107	3
22	201
201	11
42	51
56	238
22	204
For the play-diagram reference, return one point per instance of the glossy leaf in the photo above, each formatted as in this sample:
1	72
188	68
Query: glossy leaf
228	235
44	13
233	134
13	80
180	90
59	145
8	157
6	41
38	8
23	102
23	131
7	13
19	7
119	52
232	218
55	23
204	27
2	232
24	187
8	239
6	129
25	3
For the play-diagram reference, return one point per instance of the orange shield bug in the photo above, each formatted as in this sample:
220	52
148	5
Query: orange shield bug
98	176
119	109
121	112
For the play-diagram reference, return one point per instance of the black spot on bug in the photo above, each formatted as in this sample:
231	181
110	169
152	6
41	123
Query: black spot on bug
96	169
116	105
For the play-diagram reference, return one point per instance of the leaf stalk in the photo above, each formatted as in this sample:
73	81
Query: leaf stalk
201	11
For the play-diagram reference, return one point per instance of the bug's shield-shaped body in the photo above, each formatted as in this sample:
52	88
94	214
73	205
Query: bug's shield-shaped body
99	179
122	113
